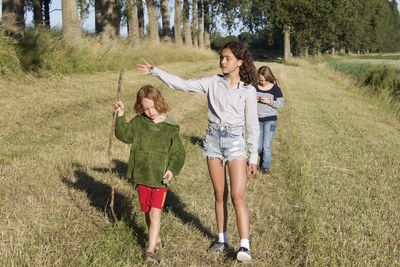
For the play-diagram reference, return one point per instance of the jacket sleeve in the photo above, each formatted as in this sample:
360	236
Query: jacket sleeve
177	153
124	131
278	98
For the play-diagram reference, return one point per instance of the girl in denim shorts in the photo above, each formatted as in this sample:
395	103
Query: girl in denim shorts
232	133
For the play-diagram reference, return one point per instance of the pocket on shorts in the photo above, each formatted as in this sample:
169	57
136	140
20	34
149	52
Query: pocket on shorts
236	132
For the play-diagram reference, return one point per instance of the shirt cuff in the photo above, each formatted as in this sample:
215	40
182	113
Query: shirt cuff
253	158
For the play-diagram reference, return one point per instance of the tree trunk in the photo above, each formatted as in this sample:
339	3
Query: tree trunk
153	21
132	22
200	23
46	11
165	17
194	24
107	18
71	27
207	24
333	51
286	49
141	19
178	23
186	23
13	20
37	13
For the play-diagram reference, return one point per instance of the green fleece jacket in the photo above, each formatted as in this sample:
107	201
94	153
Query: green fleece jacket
156	147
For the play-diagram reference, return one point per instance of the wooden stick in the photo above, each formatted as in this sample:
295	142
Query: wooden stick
112	181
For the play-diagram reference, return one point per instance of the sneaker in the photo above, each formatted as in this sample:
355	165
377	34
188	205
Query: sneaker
265	171
243	255
217	247
151	258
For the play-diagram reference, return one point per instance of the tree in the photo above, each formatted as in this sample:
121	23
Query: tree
107	18
70	22
200	23
37	12
153	22
13	20
141	19
195	32
132	22
207	23
186	23
178	23
46	12
165	17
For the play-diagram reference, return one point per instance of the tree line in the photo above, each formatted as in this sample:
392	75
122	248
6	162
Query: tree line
302	27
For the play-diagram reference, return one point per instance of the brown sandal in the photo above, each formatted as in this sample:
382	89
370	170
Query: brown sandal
151	258
158	247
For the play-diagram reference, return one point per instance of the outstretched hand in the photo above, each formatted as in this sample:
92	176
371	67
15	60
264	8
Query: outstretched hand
145	67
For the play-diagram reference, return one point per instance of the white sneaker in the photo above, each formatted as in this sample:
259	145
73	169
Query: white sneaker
243	255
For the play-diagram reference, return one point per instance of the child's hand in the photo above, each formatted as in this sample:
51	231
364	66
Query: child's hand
145	67
265	100
119	108
251	169
167	177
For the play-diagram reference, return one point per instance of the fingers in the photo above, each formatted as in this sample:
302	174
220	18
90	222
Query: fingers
144	67
252	169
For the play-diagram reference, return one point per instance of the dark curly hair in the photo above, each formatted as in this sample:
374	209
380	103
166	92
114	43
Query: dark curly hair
247	71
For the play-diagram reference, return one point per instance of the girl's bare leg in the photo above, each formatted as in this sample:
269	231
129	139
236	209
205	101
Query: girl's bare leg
238	178
218	179
153	221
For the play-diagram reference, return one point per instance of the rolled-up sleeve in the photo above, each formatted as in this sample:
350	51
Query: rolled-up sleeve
252	126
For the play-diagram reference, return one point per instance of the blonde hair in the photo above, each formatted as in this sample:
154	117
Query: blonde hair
150	92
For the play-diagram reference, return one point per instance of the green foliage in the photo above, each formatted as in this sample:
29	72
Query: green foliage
9	62
380	79
385	79
317	26
219	41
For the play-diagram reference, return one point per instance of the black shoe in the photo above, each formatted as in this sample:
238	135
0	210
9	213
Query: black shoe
243	255
217	247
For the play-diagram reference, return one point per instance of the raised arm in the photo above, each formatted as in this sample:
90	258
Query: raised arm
175	82
123	130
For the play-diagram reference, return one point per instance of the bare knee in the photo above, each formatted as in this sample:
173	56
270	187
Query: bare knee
154	214
238	199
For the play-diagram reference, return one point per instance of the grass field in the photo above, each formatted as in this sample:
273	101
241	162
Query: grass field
332	197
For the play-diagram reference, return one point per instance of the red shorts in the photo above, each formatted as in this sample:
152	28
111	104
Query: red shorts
150	197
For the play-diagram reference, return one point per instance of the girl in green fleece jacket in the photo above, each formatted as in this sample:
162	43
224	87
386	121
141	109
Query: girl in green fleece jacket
157	155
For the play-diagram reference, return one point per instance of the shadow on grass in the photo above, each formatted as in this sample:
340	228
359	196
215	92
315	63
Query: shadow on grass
98	194
267	55
120	168
174	204
195	140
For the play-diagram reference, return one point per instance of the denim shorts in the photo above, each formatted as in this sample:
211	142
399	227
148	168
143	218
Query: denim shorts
225	142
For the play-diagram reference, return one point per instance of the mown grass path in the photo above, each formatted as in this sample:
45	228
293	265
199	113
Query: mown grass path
332	198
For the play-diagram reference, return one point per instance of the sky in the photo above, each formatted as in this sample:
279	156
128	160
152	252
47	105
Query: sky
88	24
